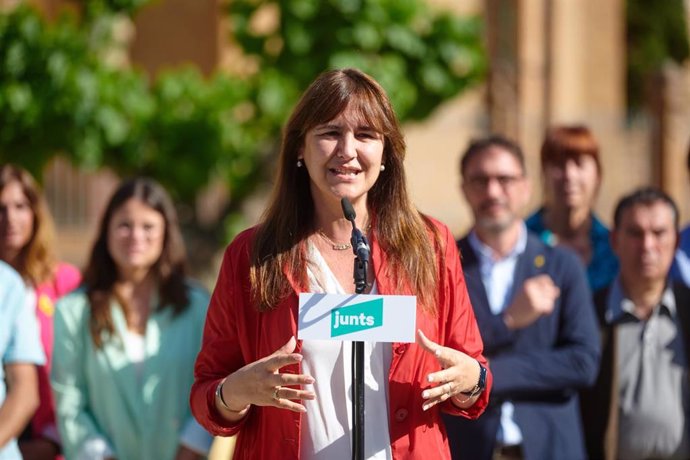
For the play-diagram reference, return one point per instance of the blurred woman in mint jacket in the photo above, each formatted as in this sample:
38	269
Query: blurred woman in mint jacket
125	343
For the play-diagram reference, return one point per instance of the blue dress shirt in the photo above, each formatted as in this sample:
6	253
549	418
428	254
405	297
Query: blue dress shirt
498	277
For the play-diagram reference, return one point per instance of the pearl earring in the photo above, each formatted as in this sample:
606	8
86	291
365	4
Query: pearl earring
383	168
299	163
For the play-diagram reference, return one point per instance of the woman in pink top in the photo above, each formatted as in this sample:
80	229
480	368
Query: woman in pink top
27	244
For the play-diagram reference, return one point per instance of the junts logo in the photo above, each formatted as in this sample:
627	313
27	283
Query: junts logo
359	317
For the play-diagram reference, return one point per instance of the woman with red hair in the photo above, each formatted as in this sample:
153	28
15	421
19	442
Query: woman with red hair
572	174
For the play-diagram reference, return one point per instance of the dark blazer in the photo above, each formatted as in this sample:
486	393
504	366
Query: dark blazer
599	403
539	368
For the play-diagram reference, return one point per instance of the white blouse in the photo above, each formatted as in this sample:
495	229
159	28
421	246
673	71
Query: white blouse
327	426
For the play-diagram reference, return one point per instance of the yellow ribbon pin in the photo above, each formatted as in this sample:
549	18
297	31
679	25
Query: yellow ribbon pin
46	305
539	261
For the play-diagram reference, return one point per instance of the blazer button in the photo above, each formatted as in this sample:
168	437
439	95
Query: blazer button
401	415
400	349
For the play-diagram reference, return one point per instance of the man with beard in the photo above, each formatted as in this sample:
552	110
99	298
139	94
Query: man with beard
535	314
639	406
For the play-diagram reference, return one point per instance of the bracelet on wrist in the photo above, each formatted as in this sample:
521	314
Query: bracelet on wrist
480	385
224	405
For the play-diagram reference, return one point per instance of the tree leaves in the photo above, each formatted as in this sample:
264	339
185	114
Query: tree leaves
60	95
433	56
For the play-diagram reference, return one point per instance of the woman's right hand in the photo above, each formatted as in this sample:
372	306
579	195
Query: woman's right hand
260	383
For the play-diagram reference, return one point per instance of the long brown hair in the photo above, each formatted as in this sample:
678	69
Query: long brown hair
101	272
36	261
400	229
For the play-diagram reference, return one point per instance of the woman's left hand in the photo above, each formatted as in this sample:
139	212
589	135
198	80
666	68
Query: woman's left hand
459	372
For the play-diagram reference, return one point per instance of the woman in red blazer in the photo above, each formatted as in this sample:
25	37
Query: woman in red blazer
287	398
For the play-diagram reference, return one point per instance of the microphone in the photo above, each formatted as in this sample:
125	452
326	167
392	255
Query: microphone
348	210
360	245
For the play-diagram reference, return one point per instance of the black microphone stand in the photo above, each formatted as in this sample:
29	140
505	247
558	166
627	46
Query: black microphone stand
360	248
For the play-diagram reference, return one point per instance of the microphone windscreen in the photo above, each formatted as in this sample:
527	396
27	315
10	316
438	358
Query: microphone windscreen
348	210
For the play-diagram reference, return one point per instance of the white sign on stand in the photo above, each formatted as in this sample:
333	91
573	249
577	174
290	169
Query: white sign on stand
357	317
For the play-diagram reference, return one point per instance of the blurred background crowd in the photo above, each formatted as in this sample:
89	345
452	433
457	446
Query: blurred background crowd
193	93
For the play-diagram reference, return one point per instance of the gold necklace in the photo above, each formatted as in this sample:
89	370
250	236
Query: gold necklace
334	245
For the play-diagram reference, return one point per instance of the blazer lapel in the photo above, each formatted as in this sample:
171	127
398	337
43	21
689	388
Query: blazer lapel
530	263
473	276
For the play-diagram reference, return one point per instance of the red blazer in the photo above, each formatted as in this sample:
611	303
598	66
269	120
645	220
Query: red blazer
236	334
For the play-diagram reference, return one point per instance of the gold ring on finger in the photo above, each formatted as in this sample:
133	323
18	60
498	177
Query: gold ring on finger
275	393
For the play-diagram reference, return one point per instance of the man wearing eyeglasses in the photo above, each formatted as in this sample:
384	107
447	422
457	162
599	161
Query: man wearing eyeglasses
535	313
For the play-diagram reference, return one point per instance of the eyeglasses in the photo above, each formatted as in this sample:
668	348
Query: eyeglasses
482	182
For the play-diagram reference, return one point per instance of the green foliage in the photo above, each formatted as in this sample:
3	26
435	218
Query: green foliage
98	8
422	58
656	32
201	131
58	94
55	96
